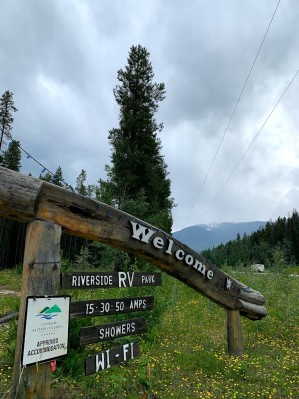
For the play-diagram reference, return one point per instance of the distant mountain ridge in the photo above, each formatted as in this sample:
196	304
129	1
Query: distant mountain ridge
204	236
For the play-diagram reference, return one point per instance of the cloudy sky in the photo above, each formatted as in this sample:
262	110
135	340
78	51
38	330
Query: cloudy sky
60	59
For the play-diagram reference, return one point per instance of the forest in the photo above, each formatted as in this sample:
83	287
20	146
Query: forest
276	245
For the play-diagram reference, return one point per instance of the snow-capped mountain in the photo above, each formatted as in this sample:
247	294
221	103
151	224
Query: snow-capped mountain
204	236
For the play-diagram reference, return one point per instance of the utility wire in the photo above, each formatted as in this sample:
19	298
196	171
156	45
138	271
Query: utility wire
250	145
35	160
68	186
233	113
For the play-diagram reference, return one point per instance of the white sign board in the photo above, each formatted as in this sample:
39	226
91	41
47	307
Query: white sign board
46	329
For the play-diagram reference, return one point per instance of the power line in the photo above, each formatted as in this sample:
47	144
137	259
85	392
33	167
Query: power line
250	145
233	113
68	186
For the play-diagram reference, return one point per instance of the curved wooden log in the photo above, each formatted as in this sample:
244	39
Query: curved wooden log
24	199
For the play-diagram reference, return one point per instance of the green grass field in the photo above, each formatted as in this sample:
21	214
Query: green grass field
184	349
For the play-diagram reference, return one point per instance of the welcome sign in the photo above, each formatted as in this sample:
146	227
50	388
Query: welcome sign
46	329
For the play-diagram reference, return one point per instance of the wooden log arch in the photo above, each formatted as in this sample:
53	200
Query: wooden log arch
26	199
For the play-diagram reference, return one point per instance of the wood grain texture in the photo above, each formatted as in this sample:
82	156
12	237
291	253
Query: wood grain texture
110	331
103	307
41	270
234	333
103	360
97	280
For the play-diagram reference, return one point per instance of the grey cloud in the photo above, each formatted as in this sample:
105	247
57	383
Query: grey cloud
61	61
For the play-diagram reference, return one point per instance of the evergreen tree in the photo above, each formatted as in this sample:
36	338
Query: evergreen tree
11	233
56	178
11	158
275	245
137	179
6	119
46	177
82	188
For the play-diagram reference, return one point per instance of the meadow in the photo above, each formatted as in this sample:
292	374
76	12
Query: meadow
183	354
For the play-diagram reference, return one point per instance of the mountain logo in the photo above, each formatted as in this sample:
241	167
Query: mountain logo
48	313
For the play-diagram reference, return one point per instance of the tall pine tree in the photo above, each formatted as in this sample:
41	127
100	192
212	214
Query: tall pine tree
137	179
82	188
11	233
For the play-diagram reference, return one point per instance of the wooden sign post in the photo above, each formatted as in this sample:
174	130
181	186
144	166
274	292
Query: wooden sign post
41	270
234	333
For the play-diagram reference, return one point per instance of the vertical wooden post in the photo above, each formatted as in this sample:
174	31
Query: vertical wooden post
41	270
234	333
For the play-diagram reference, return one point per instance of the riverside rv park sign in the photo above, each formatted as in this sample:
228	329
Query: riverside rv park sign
102	307
91	280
